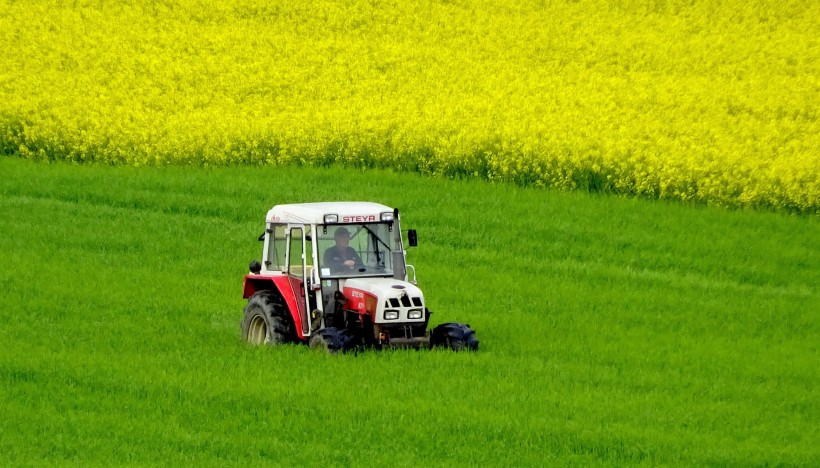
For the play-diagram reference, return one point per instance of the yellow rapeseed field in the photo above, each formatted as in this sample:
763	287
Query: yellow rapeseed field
713	101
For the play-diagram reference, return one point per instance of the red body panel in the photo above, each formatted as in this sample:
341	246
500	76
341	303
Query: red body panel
254	283
362	302
300	314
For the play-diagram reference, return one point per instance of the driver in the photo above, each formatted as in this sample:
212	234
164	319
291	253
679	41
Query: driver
341	256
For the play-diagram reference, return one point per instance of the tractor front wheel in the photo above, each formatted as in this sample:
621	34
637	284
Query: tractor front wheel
267	321
456	336
331	340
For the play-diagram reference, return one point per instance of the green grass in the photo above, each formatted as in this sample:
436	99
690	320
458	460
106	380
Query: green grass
613	331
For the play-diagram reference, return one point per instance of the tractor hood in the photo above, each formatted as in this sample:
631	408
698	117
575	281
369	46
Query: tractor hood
387	300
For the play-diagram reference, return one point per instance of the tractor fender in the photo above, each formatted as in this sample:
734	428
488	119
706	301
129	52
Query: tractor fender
280	284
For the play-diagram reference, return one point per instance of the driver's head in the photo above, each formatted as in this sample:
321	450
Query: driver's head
342	236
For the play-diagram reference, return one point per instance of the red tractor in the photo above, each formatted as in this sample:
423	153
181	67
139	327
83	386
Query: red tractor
333	275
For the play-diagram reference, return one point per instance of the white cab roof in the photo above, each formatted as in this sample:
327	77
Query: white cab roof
314	213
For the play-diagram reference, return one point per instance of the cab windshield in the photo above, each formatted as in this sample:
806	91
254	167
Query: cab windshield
349	250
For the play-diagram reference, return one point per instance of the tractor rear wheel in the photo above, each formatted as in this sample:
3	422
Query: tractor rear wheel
267	320
331	340
456	336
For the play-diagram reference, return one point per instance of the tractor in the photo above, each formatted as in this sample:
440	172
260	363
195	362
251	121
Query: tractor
333	276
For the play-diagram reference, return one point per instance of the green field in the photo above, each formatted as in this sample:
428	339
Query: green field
613	331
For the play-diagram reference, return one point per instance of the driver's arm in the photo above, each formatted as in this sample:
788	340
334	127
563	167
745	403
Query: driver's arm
357	260
332	260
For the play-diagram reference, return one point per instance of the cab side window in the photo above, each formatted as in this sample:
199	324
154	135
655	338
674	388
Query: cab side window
277	248
295	266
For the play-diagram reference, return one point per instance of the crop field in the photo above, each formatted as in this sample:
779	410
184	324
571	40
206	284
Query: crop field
709	101
614	331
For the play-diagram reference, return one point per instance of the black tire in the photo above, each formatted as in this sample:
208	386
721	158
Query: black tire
331	340
267	320
456	336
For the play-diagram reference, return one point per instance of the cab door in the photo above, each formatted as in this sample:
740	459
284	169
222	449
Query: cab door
299	253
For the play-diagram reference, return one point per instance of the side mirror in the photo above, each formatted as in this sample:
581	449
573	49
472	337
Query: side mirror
412	238
255	267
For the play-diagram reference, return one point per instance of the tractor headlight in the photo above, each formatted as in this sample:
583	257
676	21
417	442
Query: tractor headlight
391	314
331	218
414	314
387	217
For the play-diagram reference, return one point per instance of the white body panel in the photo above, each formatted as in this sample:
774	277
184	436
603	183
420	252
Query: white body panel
385	289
